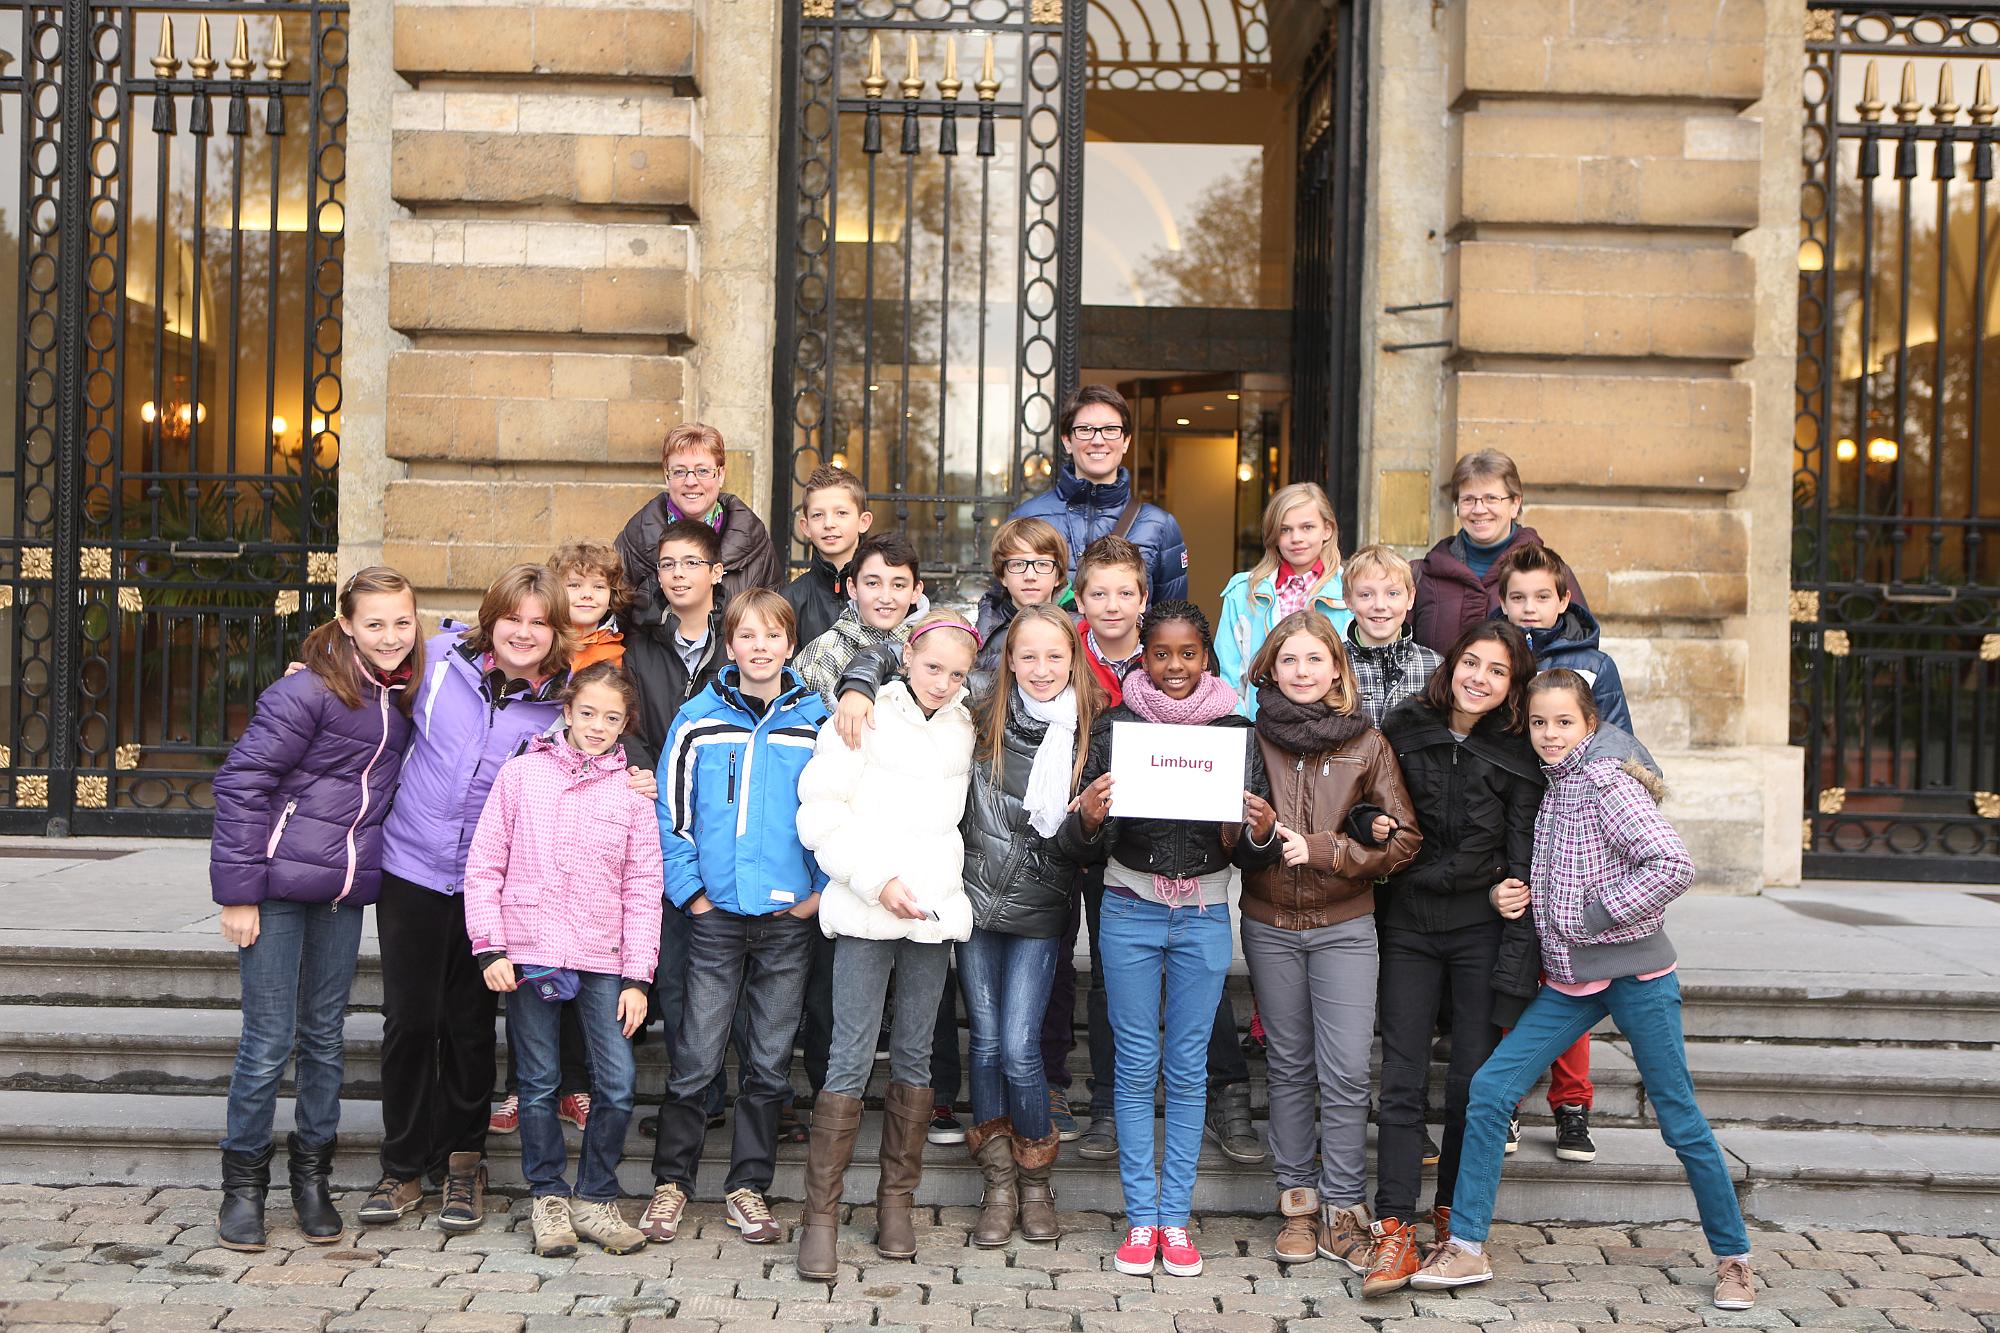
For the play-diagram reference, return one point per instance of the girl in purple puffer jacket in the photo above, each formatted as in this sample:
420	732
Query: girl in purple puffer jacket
299	805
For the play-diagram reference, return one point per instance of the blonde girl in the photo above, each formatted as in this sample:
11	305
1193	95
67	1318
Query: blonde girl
1300	571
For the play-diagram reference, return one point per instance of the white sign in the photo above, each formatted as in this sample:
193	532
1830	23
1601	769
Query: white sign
1161	771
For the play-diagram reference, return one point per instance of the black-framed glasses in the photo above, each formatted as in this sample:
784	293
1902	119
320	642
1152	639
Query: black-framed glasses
692	564
1022	566
1108	434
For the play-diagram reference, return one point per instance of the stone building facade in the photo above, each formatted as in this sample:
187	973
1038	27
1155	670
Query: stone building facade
562	244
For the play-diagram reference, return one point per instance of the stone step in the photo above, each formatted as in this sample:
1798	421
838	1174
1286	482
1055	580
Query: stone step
1784	1177
196	969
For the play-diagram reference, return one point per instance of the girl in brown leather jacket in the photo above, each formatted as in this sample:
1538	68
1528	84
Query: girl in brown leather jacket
1309	930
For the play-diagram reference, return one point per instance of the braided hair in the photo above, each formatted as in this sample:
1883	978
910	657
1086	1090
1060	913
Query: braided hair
1178	609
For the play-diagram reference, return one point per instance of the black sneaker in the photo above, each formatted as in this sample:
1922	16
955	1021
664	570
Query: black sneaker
1513	1134
945	1127
1573	1142
649	1126
1431	1151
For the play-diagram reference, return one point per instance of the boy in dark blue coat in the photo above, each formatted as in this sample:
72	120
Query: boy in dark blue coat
1535	594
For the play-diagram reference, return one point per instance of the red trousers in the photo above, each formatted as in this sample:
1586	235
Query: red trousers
1569	1077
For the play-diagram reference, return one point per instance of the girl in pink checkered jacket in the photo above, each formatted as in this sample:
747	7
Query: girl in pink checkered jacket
562	902
1606	865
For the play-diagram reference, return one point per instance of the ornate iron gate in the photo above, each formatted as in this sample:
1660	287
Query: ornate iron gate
928	320
169	490
1896	492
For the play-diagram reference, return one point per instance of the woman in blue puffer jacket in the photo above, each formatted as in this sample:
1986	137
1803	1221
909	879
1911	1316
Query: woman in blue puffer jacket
299	805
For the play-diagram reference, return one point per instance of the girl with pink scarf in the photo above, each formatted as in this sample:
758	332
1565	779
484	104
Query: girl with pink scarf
1166	919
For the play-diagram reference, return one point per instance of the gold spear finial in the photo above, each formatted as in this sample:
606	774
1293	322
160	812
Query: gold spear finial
278	61
201	64
1908	108
1869	108
239	62
1982	109
913	82
875	81
1945	109
949	85
166	64
987	86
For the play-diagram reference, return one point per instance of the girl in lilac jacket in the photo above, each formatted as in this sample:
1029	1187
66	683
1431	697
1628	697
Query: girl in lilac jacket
563	898
297	854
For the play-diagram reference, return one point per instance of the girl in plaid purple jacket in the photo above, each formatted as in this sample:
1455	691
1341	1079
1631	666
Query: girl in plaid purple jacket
1606	866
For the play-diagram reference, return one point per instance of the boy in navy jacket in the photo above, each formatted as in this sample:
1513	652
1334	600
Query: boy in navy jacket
1535	594
728	810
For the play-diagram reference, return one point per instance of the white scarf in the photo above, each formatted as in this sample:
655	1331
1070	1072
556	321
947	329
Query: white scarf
1047	797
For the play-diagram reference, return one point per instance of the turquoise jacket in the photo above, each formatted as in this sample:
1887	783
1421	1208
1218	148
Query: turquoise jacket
1247	616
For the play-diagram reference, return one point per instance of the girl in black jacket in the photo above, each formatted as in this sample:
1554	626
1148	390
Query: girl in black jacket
1166	919
1035	730
1475	786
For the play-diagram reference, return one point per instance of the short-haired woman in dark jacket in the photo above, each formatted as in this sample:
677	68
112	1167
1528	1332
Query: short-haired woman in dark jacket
296	856
1035	730
1476	786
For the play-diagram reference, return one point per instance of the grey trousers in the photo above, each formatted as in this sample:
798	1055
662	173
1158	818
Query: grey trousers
1316	993
861	971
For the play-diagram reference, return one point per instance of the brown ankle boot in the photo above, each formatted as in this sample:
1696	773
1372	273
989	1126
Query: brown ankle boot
992	1146
1034	1159
906	1119
836	1120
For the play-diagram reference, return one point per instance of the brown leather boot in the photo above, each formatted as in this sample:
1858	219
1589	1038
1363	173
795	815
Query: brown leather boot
906	1119
992	1146
836	1120
1034	1159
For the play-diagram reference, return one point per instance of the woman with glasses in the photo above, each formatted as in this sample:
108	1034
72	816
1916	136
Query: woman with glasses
1092	495
1458	580
693	461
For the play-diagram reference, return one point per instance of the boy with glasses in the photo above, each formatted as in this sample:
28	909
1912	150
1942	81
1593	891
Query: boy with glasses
1092	496
693	460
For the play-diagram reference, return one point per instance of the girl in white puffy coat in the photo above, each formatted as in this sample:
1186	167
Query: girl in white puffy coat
883	823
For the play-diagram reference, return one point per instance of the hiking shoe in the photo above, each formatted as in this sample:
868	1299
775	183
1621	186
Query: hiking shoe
1228	1124
1431	1153
945	1127
1135	1257
390	1200
573	1108
1452	1266
749	1214
1394	1261
1735	1288
1100	1141
506	1117
1060	1117
1440	1224
1298	1237
464	1205
1513	1134
555	1238
1573	1142
604	1226
1178	1254
1344	1236
662	1218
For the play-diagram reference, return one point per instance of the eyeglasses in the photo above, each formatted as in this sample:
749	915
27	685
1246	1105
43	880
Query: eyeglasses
692	565
692	474
1469	503
1108	434
1023	566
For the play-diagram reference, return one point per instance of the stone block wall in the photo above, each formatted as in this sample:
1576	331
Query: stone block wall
546	164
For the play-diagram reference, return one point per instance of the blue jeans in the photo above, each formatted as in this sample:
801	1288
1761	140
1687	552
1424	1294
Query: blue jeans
534	1030
670	1000
1006	980
1144	945
295	981
1649	1014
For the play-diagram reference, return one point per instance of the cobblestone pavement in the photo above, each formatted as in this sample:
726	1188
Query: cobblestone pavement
146	1259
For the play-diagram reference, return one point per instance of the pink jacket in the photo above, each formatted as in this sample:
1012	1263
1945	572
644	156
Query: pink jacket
564	869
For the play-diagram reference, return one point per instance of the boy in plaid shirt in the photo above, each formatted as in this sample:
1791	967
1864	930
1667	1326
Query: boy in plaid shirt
1389	664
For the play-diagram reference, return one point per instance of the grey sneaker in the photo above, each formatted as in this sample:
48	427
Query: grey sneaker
1100	1140
555	1238
1449	1266
600	1223
1735	1288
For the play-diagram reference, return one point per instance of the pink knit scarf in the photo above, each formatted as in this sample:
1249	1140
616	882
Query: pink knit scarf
1212	699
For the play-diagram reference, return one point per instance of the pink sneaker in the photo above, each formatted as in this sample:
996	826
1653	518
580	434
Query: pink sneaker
506	1116
1177	1252
1135	1256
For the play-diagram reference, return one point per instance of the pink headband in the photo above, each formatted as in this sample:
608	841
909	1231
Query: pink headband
959	625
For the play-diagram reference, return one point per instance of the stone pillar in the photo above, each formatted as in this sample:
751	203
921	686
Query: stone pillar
1624	294
548	159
